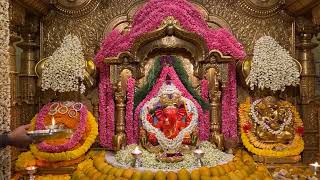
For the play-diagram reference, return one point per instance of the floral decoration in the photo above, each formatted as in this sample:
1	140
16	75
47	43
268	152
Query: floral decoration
229	106
76	137
27	159
241	166
129	110
167	143
64	70
212	157
272	66
106	110
148	18
263	124
167	71
5	93
69	154
254	145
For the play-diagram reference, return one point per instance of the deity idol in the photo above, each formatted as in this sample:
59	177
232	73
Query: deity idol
277	118
168	115
171	118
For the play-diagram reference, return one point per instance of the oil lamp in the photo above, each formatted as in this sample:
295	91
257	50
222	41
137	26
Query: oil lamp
315	167
53	124
31	171
136	153
51	131
198	153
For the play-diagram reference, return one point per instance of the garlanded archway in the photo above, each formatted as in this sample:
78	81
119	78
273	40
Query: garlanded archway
148	19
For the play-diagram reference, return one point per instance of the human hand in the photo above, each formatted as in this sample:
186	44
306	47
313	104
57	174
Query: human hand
19	138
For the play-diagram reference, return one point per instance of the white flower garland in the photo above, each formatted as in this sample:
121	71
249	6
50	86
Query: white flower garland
5	159
212	157
272	67
263	124
65	68
164	142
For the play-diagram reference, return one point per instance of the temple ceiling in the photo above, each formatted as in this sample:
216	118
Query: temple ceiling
310	8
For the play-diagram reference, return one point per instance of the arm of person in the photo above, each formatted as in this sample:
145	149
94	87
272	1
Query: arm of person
17	137
4	140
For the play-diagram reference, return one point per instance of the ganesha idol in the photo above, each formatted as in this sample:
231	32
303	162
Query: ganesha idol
168	120
271	128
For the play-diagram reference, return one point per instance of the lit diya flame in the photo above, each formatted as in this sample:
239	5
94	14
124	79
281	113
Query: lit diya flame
53	122
315	164
136	151
315	168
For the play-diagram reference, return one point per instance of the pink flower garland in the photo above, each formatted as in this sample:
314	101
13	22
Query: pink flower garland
166	71
76	137
40	117
106	111
129	110
148	18
229	105
205	126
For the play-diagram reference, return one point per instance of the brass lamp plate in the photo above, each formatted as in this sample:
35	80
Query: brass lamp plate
40	135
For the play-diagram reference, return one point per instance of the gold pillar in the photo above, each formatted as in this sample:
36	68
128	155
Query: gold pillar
119	140
27	78
305	32
95	105
215	115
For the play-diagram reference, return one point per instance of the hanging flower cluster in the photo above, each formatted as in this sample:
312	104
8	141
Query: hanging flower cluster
129	110
64	70
272	66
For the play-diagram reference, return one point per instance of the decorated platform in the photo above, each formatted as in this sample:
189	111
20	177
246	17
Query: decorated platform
168	106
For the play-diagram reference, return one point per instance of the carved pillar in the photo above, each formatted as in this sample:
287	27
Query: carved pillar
119	140
305	31
215	115
28	78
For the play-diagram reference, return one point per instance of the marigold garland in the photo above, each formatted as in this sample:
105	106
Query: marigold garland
241	167
74	140
251	142
68	155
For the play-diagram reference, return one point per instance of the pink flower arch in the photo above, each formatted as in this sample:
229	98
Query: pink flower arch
147	19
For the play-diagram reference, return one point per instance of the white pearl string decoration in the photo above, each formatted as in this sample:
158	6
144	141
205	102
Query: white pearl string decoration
265	126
